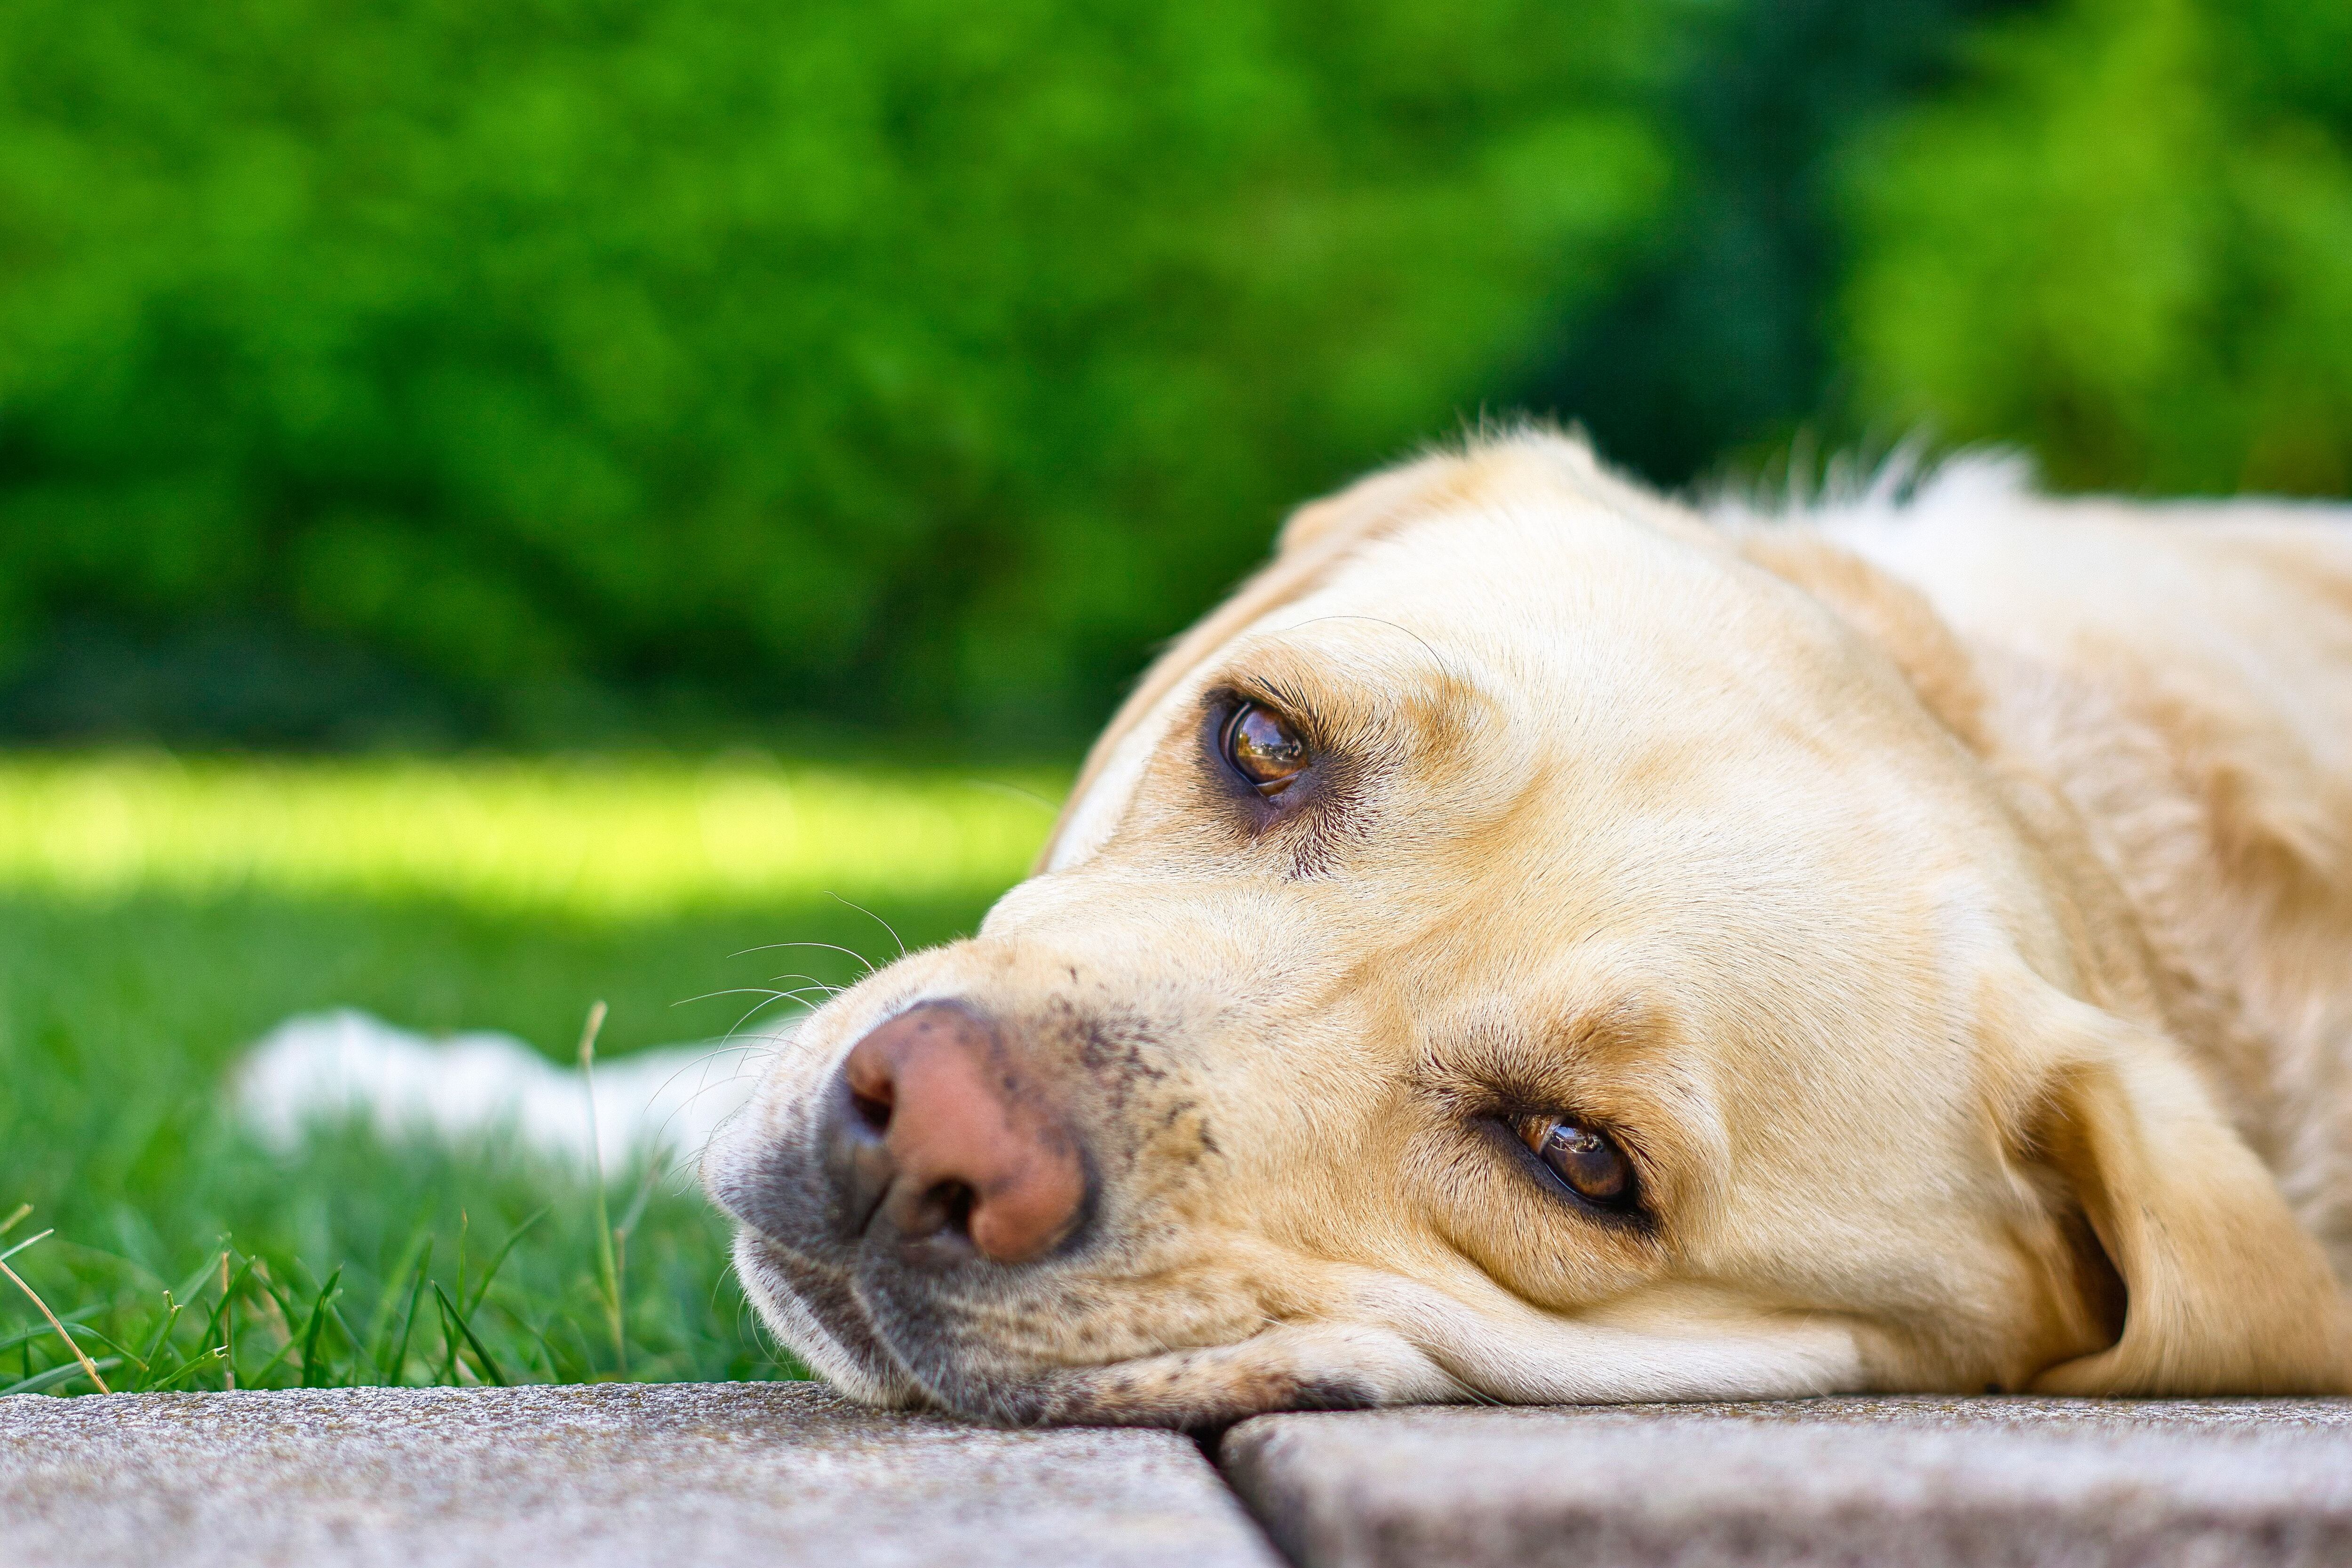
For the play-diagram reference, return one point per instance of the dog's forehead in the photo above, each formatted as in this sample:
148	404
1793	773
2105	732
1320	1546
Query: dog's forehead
1574	600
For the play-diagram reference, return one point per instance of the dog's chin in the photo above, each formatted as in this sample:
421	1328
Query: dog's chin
817	1313
1300	1367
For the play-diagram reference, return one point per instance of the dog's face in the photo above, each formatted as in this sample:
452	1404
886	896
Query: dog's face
1521	950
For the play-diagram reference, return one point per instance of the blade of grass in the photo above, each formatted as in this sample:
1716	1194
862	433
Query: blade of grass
499	1259
42	1382
41	1331
379	1332
360	1361
259	1379
193	1286
188	1369
218	1323
70	1343
308	1339
155	1346
627	1228
191	1291
15	1218
275	1303
226	1315
122	1353
449	1376
322	1301
487	1364
637	1209
448	1346
607	1264
38	1235
273	1313
318	1322
547	1357
399	1361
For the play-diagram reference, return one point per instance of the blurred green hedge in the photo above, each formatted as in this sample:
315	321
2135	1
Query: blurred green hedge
896	361
2126	243
398	367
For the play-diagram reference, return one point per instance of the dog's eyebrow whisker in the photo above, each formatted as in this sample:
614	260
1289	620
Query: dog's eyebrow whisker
877	919
1383	621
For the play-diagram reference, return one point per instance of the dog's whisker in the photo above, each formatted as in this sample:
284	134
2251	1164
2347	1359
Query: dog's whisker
864	962
877	919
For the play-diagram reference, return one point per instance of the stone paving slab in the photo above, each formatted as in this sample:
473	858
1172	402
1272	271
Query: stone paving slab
708	1476
1919	1483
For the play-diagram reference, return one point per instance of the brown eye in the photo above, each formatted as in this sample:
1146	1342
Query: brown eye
1588	1160
1264	749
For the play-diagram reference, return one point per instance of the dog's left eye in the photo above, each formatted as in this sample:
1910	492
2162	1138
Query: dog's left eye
1260	745
1586	1158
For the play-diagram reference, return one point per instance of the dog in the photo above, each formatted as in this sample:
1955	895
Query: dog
1539	941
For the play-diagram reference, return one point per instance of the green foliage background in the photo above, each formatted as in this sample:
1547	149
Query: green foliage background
399	369
2127	243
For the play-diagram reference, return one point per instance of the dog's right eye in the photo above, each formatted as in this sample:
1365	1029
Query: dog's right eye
1260	745
1586	1159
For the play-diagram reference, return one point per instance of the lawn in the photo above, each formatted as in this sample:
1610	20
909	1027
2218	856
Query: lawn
157	915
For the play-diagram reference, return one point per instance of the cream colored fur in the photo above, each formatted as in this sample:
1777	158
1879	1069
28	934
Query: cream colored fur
1951	901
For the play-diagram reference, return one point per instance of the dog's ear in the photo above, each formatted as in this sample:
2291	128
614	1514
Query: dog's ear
2225	1293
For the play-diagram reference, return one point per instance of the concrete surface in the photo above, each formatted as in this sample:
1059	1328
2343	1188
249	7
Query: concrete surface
708	1476
1916	1483
784	1474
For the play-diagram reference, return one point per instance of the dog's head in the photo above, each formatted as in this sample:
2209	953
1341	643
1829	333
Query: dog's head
1520	948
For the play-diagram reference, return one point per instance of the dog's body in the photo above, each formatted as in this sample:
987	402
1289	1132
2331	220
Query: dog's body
2181	677
1536	944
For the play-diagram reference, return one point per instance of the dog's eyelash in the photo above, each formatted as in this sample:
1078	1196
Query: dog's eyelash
1637	1216
1495	1109
1287	701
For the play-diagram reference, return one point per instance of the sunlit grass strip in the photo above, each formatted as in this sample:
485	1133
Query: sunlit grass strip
615	840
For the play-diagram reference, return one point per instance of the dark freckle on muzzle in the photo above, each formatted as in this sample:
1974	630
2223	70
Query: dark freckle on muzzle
934	1142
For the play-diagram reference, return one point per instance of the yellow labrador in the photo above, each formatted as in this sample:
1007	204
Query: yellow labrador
1534	943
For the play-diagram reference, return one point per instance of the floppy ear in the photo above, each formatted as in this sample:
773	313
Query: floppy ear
2224	1292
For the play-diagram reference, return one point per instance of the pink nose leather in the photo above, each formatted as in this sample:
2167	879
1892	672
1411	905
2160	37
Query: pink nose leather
970	1139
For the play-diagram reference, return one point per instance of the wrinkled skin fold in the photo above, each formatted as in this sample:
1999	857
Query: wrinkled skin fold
1948	911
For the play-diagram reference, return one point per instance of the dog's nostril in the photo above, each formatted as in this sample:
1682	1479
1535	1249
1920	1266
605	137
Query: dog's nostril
935	1133
951	1203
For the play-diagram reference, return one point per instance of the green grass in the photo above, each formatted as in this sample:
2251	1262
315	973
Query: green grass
157	916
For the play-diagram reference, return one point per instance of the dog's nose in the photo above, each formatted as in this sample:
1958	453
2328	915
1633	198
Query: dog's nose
935	1133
